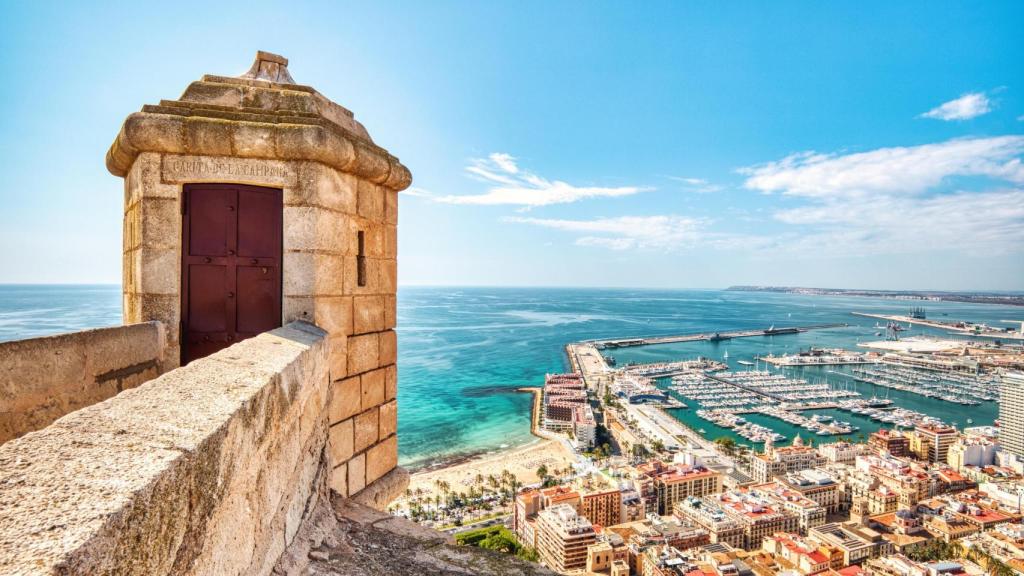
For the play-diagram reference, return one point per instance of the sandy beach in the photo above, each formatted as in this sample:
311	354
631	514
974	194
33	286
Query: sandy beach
522	462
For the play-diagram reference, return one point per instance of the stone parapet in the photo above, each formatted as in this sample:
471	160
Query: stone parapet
42	379
207	469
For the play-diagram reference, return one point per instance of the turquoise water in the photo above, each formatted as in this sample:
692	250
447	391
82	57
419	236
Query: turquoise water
464	351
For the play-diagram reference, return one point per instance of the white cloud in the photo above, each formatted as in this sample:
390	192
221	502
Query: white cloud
418	192
897	170
965	107
698	185
625	232
510	185
892	200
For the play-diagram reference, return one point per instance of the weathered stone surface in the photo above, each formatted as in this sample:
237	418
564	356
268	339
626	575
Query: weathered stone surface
345	538
240	117
341	442
42	379
369	314
362	353
384	490
372	384
388	419
388	353
357	473
208	469
366	428
390	382
346	400
381	458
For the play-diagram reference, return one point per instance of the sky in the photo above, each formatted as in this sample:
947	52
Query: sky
663	144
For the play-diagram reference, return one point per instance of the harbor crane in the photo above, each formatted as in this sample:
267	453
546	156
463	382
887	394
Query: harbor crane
892	331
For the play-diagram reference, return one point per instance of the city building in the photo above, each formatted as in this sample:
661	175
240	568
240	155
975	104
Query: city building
889	441
778	461
603	507
808	512
801	555
935	440
563	395
665	484
856	542
841	452
816	485
1011	413
563	537
972	451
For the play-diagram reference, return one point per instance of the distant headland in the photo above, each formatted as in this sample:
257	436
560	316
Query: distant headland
1006	298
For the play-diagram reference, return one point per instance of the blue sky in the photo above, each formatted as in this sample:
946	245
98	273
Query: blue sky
673	144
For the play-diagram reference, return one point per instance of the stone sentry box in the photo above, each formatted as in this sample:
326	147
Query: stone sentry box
339	267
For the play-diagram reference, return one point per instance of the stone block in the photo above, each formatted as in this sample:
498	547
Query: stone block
390	311
298	308
391	242
391	382
363	353
356	474
381	459
329	275
373	239
370	201
346	400
299	228
388	419
372	386
388	348
338	480
325	187
369	314
332	231
341	442
391	207
254	140
334	314
159	271
160	220
339	361
367	428
388	276
298	276
209	136
163	307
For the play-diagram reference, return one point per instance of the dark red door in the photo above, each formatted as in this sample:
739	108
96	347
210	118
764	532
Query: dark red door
231	265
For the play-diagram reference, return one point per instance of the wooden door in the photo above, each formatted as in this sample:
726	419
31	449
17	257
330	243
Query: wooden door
231	265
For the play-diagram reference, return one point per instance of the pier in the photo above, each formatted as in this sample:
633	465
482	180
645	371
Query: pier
954	328
708	336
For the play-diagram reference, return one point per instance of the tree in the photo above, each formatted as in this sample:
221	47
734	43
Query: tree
726	445
658	446
542	472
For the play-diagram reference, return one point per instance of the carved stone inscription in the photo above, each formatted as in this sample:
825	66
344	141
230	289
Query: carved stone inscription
179	169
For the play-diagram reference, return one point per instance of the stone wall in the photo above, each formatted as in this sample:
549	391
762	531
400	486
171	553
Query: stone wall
42	379
207	469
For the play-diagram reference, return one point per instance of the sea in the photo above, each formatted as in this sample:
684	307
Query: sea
464	351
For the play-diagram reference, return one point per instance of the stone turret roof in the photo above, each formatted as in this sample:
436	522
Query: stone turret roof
261	114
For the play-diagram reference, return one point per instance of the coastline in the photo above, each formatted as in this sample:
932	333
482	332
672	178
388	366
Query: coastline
522	461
